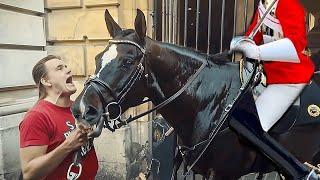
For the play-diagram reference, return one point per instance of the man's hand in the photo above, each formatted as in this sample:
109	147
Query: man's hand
76	139
36	164
246	46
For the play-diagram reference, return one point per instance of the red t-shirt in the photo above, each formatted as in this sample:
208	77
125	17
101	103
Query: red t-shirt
291	15
48	124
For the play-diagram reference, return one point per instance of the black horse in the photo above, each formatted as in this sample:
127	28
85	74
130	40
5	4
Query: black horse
134	66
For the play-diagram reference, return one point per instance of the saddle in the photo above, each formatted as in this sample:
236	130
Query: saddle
305	111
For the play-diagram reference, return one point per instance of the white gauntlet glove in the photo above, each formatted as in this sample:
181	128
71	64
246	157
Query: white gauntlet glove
245	45
281	50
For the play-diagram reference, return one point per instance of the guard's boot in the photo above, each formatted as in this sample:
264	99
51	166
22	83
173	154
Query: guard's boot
246	123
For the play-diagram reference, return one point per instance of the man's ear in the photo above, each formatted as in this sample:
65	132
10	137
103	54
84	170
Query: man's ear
45	82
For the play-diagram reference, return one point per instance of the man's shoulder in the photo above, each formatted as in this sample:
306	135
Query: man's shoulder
41	107
38	112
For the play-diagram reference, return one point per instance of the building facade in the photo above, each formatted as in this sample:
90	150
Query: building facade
76	31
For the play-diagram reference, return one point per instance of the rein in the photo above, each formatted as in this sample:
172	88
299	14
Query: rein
253	78
116	123
111	124
229	108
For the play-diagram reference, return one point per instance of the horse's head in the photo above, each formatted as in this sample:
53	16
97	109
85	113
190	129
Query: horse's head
119	76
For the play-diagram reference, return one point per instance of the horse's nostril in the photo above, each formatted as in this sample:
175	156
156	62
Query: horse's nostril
76	116
91	112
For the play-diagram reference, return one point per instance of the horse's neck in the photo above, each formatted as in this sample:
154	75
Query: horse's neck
172	65
170	68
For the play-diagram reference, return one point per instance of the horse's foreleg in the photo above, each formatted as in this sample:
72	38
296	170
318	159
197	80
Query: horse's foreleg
211	174
260	176
176	164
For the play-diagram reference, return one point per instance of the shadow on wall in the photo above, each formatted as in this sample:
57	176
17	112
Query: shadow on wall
140	162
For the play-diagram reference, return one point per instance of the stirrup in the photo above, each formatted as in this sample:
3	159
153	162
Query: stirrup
316	169
314	173
312	176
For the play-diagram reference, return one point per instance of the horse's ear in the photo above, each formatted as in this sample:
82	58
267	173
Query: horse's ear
140	25
112	26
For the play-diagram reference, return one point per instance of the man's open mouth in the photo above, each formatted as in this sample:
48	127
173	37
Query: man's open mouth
69	80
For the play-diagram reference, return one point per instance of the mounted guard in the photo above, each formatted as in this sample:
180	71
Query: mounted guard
279	31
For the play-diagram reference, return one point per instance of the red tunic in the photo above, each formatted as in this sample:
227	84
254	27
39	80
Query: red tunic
291	16
48	124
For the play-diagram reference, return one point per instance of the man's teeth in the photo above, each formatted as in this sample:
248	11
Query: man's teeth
69	82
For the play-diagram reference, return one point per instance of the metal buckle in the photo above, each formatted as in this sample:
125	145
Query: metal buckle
307	52
108	113
72	175
227	109
90	78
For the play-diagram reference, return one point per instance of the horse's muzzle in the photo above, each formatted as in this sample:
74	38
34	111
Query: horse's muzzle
97	131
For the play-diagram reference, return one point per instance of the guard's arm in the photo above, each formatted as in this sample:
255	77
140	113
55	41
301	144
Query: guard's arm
281	50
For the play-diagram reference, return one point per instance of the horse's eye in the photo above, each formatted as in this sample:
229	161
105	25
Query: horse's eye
129	61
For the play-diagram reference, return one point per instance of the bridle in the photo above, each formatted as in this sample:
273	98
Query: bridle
104	119
97	83
115	123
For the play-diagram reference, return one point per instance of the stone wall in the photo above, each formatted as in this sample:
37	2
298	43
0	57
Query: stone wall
22	44
76	31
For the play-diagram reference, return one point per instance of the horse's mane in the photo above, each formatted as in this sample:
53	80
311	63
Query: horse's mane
199	57
189	60
125	32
